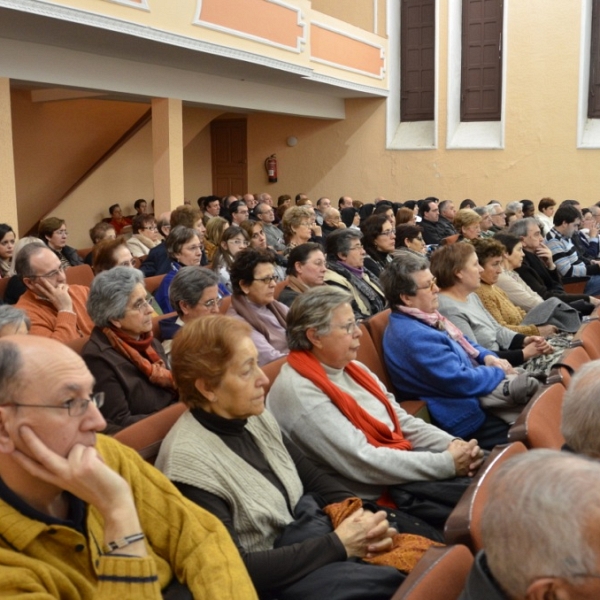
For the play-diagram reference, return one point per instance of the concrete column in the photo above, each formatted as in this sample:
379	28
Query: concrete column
167	151
8	189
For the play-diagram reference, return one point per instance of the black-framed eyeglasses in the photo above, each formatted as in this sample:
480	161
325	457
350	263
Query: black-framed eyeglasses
268	279
75	407
429	286
51	274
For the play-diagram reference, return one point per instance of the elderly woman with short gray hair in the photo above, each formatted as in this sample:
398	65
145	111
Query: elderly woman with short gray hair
128	364
346	270
193	293
340	415
184	250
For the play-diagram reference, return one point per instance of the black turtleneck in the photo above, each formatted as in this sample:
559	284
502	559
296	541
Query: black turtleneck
274	569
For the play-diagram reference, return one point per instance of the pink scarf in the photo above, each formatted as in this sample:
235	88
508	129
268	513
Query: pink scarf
438	321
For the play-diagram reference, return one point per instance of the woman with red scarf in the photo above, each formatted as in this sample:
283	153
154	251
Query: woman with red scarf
128	364
342	416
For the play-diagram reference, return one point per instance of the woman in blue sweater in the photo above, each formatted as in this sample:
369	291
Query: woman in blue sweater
429	358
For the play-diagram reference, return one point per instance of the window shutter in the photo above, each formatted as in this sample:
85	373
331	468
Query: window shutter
594	93
481	77
417	60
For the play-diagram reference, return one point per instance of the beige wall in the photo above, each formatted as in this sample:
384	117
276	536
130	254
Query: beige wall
358	12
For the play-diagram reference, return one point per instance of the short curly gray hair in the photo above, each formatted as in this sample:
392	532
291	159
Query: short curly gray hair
110	292
313	309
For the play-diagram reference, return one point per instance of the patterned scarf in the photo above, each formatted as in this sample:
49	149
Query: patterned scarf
377	433
438	321
142	355
242	307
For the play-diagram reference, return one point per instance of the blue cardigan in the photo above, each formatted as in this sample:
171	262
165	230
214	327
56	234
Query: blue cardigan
426	363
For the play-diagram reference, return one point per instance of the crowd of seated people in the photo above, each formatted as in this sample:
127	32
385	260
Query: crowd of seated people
459	330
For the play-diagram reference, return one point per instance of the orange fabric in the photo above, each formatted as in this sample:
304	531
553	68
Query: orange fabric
377	433
407	548
153	367
46	321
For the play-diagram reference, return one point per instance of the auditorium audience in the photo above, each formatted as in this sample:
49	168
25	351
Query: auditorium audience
233	240
117	220
378	241
306	269
410	238
467	224
343	418
56	309
253	281
145	235
193	293
7	247
458	275
296	226
345	269
127	363
111	253
53	232
226	453
185	250
428	357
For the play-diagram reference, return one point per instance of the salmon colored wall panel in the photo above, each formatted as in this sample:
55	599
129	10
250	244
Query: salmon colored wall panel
339	49
275	22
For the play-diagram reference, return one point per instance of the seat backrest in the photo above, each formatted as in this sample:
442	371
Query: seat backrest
3	285
376	327
83	252
271	370
589	336
279	287
538	426
77	344
147	435
80	275
370	357
574	359
451	239
440	575
464	523
153	283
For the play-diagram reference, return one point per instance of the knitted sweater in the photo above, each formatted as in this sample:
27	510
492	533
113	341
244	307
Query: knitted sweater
426	363
497	303
309	418
62	326
193	455
45	560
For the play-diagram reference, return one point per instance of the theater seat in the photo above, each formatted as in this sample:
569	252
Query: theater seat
153	283
571	360
147	435
440	575
80	275
464	523
538	426
589	337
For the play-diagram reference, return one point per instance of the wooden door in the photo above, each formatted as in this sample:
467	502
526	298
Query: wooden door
229	157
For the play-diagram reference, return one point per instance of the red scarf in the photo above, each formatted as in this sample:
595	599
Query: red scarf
377	433
142	355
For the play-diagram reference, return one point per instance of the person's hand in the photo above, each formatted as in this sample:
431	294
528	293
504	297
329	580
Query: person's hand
546	255
593	300
467	456
547	330
535	345
494	361
593	231
82	472
316	229
364	533
58	296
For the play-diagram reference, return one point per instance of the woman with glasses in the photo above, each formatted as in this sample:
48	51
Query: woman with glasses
297	227
111	253
127	363
378	240
233	240
194	293
226	454
184	250
53	232
470	392
253	280
342	417
306	269
409	238
145	235
346	269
